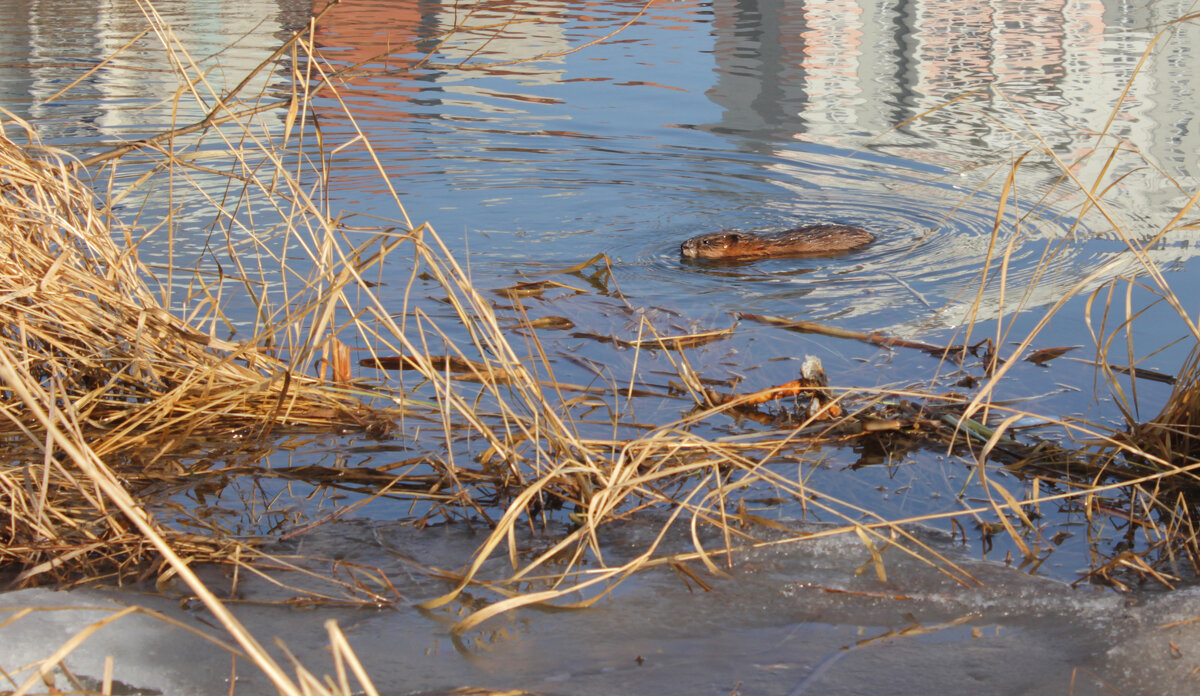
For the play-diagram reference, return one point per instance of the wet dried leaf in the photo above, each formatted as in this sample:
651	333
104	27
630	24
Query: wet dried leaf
580	266
560	323
1045	355
440	363
679	342
535	289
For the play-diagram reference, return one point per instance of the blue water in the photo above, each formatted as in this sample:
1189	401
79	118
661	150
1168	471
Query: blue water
528	156
694	118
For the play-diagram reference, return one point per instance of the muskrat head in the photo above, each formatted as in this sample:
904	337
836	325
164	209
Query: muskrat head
709	246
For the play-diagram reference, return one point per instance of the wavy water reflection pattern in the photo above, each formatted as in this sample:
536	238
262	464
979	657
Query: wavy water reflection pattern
737	118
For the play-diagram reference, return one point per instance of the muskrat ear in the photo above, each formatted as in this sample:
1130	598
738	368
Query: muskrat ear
731	237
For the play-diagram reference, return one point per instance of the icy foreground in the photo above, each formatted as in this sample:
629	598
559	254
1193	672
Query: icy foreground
787	622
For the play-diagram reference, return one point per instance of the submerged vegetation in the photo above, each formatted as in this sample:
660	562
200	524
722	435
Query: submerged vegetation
120	377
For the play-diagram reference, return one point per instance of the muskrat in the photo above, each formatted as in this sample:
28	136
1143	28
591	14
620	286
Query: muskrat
801	241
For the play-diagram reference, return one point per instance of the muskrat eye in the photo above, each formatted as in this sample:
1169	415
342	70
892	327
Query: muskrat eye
720	240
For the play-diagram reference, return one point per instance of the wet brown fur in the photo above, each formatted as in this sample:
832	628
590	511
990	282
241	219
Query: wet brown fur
808	240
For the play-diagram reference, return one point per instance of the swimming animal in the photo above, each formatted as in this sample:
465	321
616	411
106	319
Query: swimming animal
807	240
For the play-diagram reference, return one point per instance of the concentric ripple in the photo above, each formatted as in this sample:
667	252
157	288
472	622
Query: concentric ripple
683	126
939	252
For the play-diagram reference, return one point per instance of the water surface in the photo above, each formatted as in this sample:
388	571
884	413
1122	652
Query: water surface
527	155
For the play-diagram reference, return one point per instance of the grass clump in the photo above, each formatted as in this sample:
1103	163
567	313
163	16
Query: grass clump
103	380
93	344
85	344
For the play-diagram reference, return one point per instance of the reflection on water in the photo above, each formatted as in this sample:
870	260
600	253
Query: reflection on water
51	43
490	124
528	154
612	150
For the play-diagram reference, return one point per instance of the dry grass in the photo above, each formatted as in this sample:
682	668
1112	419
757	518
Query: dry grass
86	341
104	381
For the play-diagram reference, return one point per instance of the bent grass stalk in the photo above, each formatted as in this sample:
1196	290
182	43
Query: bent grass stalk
96	368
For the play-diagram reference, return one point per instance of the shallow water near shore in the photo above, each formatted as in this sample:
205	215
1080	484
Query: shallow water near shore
789	621
699	116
